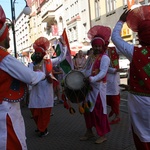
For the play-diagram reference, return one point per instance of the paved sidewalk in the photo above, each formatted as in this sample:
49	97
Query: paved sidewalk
65	130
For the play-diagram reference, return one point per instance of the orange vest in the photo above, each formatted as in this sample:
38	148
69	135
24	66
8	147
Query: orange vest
11	89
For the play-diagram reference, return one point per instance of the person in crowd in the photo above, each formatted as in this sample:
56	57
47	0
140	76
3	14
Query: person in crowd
95	75
139	85
89	58
113	82
74	60
80	60
42	95
89	52
58	74
13	87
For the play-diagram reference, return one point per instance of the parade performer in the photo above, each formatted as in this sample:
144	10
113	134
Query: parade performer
139	93
13	88
42	95
95	72
113	81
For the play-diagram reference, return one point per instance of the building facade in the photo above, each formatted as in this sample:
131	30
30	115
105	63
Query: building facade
49	18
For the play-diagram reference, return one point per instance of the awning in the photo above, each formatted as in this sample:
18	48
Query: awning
73	53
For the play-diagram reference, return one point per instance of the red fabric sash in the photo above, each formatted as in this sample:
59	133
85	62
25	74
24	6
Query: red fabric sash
96	65
48	65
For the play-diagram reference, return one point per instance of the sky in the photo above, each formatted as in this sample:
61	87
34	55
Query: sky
19	6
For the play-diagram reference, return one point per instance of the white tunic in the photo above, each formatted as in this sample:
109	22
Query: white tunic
42	95
98	87
19	71
113	81
139	106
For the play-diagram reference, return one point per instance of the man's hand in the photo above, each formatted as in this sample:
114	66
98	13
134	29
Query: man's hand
121	70
62	42
123	17
125	87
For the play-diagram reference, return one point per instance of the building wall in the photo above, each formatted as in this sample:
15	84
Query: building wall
77	16
78	22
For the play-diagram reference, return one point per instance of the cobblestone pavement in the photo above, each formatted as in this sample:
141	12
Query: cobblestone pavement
65	130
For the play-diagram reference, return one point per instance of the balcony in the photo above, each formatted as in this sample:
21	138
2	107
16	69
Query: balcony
49	16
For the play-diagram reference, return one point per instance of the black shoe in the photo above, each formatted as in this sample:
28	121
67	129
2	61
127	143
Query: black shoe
37	130
45	133
52	114
61	101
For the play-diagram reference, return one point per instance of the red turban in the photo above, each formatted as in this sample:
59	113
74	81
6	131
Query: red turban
41	45
40	50
138	20
3	26
99	33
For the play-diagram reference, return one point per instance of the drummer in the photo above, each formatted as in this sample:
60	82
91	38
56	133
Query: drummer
95	72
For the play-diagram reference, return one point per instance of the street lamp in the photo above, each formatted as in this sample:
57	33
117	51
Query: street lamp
26	11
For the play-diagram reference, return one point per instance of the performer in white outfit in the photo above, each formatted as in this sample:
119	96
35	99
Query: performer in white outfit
42	96
113	81
139	93
95	72
13	78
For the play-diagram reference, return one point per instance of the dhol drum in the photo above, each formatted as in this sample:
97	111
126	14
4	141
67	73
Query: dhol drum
75	88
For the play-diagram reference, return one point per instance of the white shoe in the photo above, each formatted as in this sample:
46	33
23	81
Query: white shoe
100	140
86	137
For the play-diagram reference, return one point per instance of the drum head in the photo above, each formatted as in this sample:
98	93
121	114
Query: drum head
74	80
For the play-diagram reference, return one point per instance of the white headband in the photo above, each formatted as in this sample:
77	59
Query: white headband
42	49
3	29
99	39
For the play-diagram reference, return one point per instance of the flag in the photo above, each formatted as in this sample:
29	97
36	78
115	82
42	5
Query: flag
67	64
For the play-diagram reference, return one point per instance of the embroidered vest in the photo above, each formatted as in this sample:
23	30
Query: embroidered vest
114	57
96	65
47	63
11	89
140	71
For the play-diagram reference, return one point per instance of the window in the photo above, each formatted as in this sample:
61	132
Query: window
84	30
74	34
110	6
97	9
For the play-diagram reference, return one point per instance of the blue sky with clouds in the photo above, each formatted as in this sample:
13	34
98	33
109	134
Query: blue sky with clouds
19	6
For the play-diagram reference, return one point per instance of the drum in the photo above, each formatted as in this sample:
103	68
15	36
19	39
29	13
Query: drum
75	88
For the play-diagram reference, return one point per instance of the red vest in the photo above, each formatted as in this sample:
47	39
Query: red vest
140	71
96	65
11	89
114	57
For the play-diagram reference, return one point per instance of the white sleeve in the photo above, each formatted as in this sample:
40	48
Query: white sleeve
61	57
19	71
104	65
124	47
